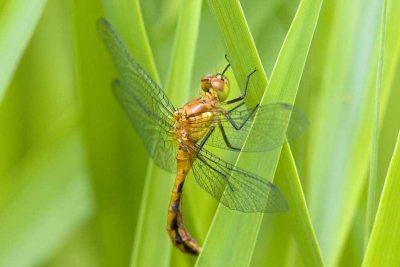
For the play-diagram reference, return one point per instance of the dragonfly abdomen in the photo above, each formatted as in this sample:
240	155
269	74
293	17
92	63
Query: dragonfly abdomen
178	234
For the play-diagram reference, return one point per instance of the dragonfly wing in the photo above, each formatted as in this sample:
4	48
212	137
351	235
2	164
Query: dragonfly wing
152	99
275	122
156	137
236	188
145	103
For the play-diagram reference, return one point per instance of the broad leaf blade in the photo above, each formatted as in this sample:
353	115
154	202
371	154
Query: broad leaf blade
384	242
51	200
18	20
231	229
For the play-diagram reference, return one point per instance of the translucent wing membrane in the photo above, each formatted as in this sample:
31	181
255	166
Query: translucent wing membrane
275	122
141	86
144	102
244	191
155	137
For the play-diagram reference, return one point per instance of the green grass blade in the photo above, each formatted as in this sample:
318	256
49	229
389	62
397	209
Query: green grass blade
151	236
47	196
18	20
232	236
392	44
50	198
240	47
384	243
126	17
341	124
180	75
116	160
373	182
301	227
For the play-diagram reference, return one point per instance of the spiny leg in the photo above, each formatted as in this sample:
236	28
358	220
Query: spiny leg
205	138
225	137
244	91
226	68
208	134
233	123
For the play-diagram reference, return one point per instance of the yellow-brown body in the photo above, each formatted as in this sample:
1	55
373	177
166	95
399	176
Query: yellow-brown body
192	123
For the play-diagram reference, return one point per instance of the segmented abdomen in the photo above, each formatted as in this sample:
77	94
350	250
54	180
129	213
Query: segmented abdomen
175	226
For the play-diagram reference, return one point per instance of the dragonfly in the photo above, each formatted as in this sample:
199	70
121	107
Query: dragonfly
176	138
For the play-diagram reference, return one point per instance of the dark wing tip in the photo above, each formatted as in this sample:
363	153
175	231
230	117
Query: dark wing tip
104	28
102	22
277	201
117	88
282	206
286	106
297	125
115	83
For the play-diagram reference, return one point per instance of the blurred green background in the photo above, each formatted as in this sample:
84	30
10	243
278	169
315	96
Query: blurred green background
77	187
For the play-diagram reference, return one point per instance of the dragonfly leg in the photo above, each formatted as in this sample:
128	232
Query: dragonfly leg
233	123
236	107
205	138
228	144
226	57
244	91
229	64
226	68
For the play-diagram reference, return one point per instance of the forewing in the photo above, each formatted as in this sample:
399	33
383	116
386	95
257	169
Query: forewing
156	137
137	82
275	122
236	188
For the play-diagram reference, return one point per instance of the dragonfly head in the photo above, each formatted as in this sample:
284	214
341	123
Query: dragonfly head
217	84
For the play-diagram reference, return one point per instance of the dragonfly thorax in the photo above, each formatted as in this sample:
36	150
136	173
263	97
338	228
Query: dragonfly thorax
217	84
192	121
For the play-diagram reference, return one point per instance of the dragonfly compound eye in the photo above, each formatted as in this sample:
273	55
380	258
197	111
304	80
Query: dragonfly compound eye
206	82
220	84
